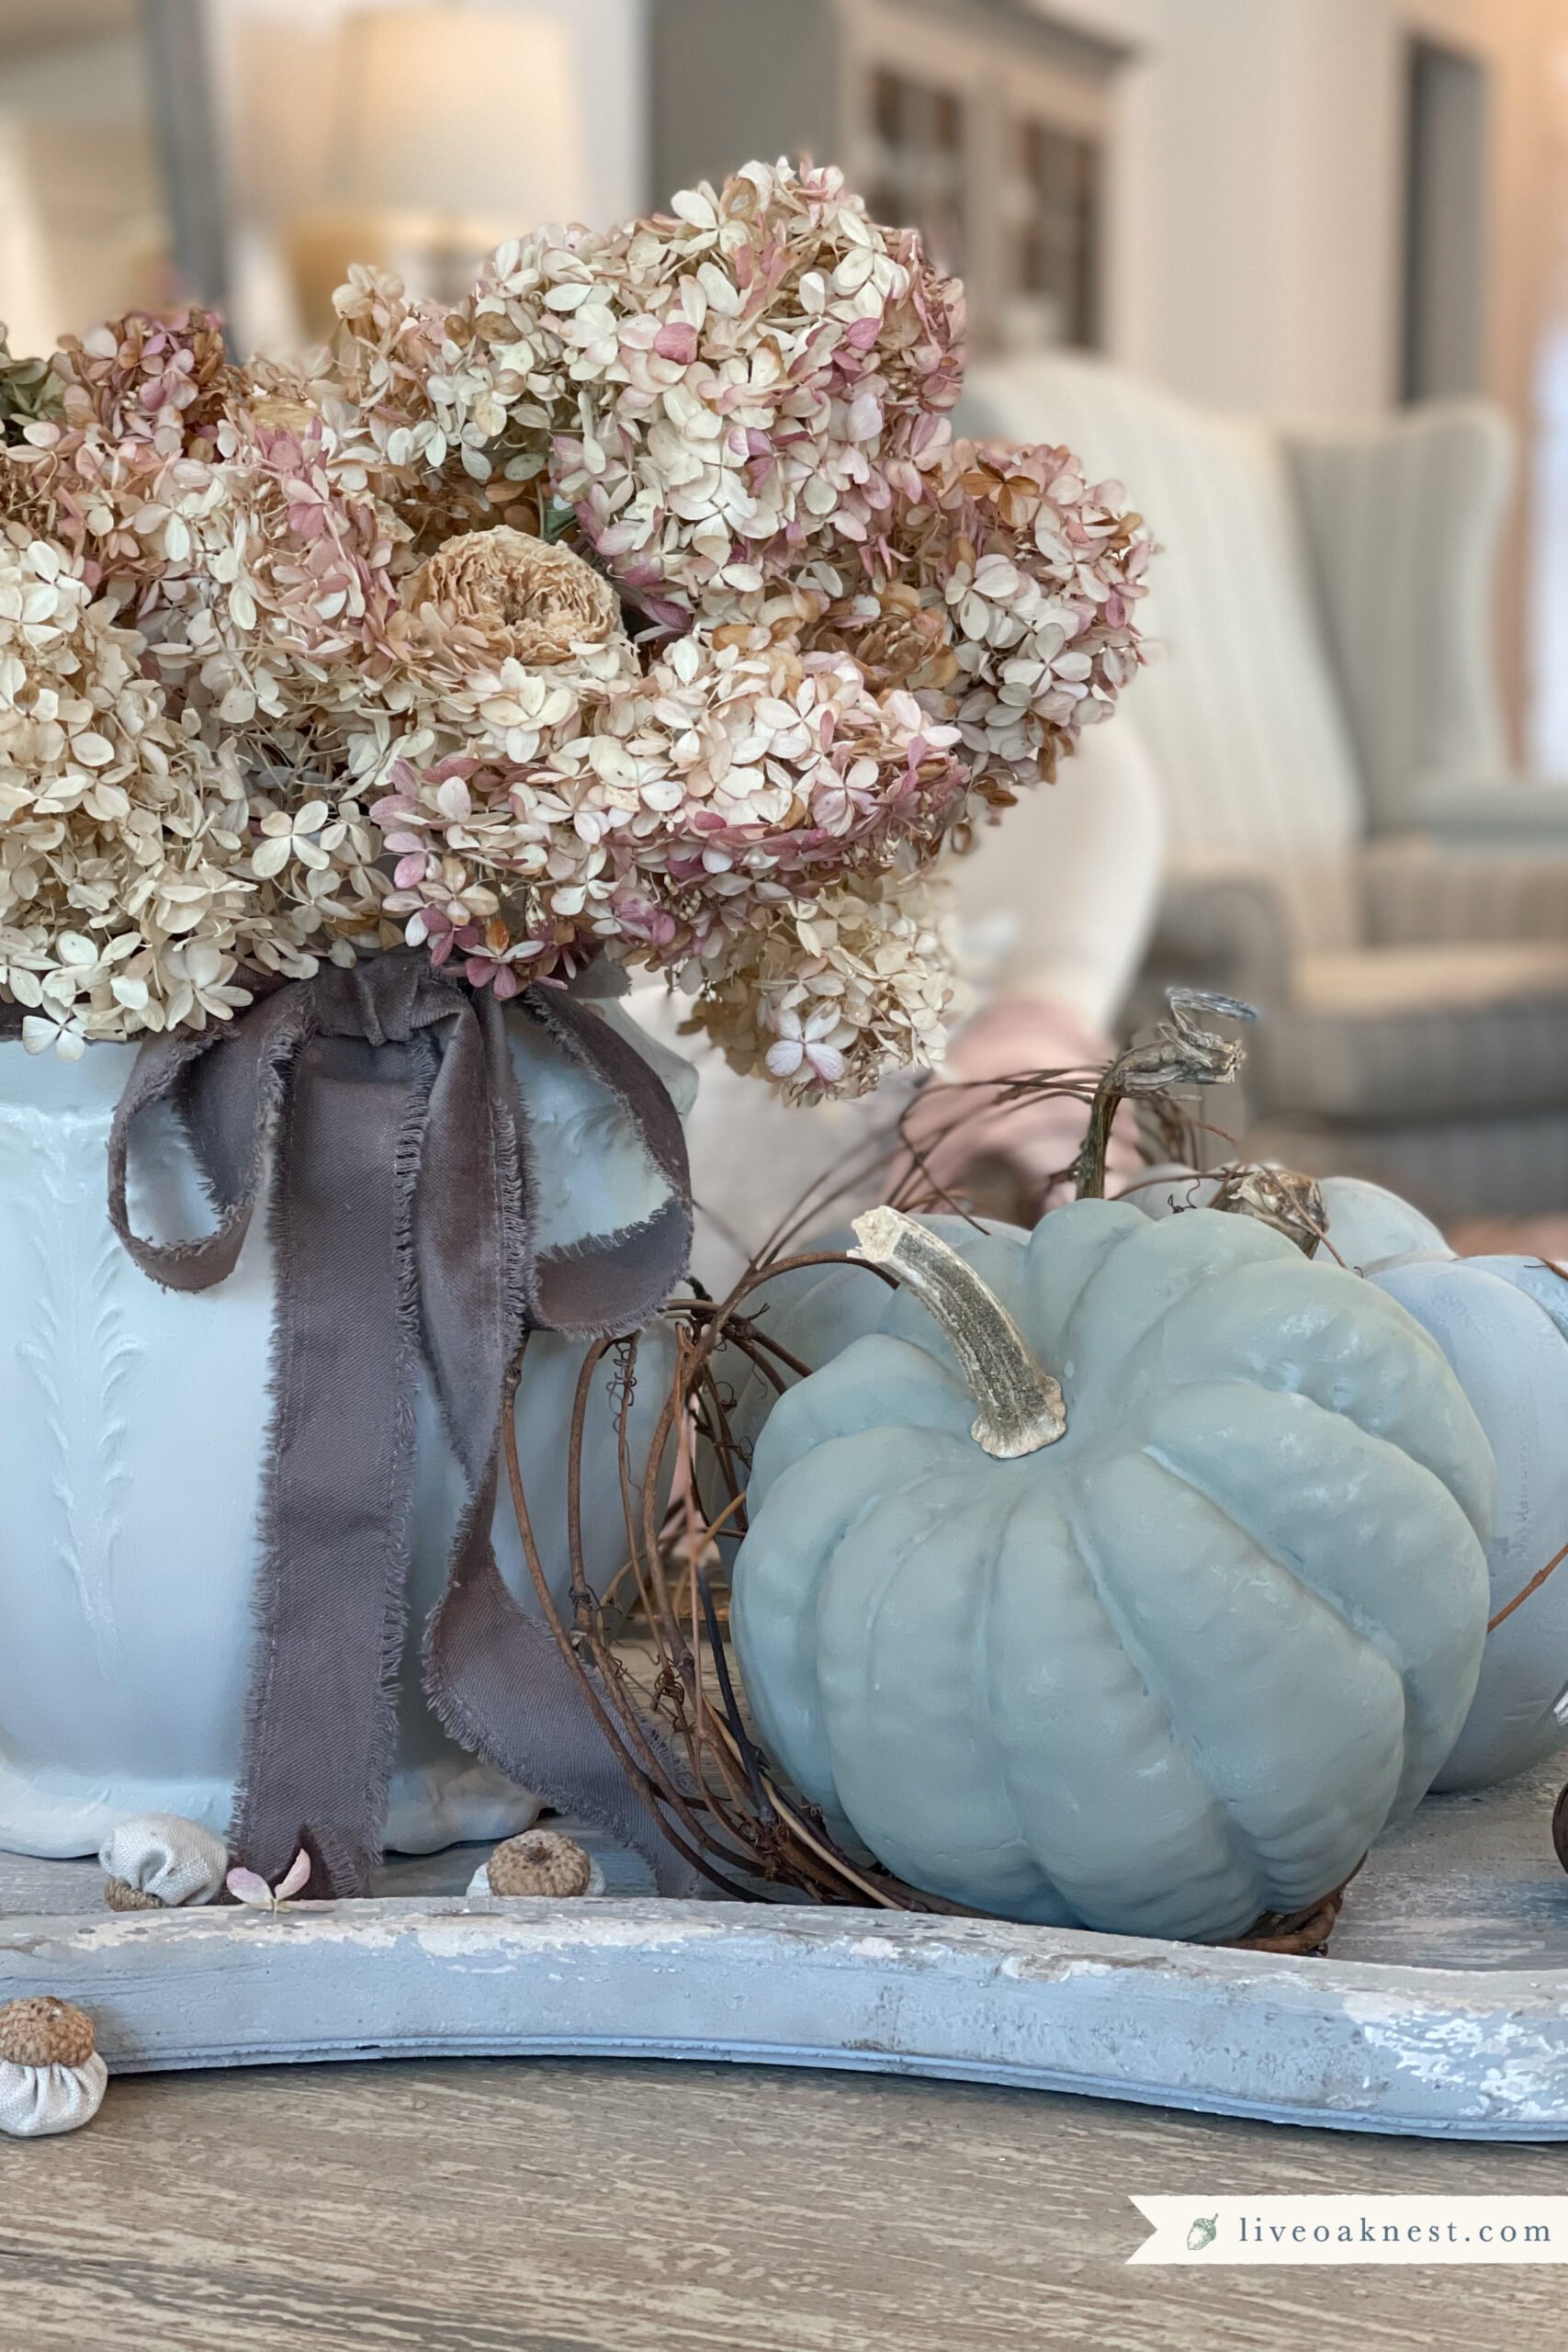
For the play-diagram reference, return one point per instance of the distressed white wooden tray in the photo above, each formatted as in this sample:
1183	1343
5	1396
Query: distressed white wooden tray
1442	2010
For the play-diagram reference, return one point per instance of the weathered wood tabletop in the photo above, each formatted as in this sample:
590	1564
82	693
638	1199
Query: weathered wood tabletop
556	2205
551	2207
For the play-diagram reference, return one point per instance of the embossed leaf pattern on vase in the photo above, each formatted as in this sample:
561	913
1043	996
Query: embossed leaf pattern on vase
79	1348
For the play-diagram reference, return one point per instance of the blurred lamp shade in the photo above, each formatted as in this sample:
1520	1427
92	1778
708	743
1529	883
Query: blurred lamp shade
452	129
465	113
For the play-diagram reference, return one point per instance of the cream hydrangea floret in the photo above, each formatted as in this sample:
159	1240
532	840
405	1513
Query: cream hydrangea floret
122	904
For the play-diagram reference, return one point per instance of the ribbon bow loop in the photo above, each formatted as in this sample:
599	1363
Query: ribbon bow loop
381	1002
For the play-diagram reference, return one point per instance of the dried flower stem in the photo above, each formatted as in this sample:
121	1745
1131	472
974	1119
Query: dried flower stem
1179	1054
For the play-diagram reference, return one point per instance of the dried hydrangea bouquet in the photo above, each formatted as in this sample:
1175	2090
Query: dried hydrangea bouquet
357	724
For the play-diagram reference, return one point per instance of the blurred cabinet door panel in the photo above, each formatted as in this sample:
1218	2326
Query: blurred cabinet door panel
983	126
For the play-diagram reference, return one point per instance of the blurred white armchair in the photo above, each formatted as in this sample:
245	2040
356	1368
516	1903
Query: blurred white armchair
1054	908
1346	848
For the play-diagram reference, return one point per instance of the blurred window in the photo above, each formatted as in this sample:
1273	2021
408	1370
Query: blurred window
1444	216
988	130
1058	240
919	175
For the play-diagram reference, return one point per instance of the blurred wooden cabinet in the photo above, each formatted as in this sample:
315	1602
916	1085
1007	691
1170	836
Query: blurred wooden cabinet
980	122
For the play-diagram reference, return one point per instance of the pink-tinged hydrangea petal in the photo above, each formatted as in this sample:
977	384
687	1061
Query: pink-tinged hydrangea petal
295	1878
247	1886
677	340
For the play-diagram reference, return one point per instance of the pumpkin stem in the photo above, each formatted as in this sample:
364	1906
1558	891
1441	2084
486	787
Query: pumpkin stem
1179	1054
1021	1406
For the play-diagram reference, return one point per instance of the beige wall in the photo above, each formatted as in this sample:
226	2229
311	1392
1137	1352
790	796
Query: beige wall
1258	229
1546	610
1257	245
1526	43
82	226
1264	235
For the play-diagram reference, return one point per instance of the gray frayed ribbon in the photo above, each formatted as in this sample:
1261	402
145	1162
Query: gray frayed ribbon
383	1102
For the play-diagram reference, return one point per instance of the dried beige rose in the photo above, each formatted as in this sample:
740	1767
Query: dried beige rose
514	598
280	413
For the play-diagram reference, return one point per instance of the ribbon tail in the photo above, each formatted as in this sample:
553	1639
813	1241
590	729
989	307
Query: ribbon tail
494	1674
338	1483
603	1288
500	1687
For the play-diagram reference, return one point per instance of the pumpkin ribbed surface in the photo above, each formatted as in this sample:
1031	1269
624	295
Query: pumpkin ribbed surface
1178	1669
1502	1323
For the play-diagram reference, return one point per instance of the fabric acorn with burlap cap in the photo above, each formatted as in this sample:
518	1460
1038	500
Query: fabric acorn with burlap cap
51	2077
538	1862
159	1861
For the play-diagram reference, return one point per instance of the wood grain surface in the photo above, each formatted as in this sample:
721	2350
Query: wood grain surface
550	2206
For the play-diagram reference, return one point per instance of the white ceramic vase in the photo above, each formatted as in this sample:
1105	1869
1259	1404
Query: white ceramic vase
132	1424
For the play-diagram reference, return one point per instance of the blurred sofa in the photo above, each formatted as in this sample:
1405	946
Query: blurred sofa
1346	847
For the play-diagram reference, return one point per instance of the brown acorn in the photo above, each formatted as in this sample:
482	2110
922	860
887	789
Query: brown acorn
120	1896
541	1862
42	2031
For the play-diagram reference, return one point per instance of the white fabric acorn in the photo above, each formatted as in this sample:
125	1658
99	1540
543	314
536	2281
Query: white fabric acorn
540	1862
51	2077
158	1862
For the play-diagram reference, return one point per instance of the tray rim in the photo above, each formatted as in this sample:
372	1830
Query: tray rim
1351	2045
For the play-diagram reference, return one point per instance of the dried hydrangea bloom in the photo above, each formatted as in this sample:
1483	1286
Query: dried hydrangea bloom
1042	573
276	591
898	640
730	778
169	381
146	408
504	388
24	510
93	492
826	996
403	416
358	645
717	391
1007	603
120	835
263	589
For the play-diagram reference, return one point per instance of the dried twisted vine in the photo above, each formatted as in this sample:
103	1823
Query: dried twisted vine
1179	1054
670	1703
1304	1933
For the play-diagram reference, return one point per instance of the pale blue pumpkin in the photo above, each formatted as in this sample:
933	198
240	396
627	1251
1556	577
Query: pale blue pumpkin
1503	1325
1173	1671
